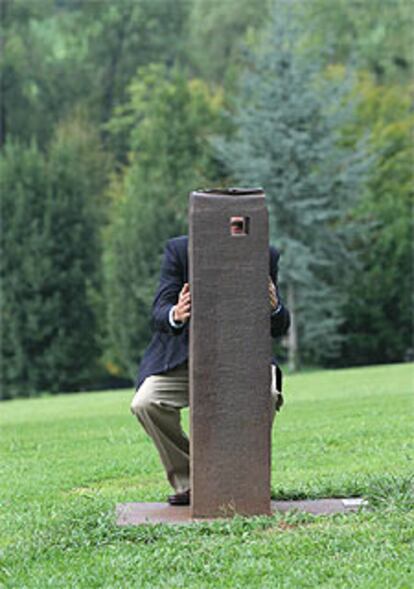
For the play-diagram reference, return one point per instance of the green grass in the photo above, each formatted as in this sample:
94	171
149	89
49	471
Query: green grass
67	460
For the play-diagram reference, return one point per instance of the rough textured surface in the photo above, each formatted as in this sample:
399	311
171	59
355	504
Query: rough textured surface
230	352
130	514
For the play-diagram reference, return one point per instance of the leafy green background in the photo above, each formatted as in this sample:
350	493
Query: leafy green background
112	112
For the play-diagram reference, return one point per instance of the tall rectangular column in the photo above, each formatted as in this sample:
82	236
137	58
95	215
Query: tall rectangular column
230	353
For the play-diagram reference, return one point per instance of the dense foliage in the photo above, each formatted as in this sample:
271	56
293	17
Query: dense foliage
50	266
112	112
164	125
288	138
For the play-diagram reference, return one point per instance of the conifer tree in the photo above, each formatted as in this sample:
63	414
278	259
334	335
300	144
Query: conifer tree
25	266
50	262
379	311
74	215
165	122
287	140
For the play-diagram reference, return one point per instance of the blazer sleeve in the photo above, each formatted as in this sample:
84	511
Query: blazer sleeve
280	321
170	285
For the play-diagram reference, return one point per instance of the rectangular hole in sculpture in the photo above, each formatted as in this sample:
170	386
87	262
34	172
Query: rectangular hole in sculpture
239	225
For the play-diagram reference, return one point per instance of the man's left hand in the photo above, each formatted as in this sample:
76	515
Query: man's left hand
274	302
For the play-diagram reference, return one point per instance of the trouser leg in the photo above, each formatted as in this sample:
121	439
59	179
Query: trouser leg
157	405
277	399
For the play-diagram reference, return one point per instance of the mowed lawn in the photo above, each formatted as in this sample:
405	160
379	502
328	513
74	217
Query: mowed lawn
67	460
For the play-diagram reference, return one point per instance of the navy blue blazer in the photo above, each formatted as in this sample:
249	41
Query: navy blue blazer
169	345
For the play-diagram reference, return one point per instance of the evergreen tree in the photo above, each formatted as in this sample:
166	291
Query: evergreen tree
166	122
75	214
288	140
50	262
25	267
379	310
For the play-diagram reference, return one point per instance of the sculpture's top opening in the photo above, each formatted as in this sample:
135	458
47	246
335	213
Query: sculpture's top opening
231	191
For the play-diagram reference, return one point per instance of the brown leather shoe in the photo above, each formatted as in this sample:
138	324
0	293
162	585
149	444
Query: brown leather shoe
180	498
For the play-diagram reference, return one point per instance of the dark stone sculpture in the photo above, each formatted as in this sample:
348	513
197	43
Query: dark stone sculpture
230	351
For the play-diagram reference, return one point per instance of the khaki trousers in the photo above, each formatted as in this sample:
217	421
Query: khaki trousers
157	404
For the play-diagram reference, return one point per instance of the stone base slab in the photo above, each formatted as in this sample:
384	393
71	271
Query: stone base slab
135	514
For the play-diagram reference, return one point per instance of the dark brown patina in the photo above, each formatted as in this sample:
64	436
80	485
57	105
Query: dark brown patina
229	353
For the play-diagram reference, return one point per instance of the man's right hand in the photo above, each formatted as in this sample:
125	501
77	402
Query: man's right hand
182	309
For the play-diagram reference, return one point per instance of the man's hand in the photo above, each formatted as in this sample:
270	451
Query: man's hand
274	302
182	309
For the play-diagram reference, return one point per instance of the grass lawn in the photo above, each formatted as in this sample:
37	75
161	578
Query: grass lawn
67	460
